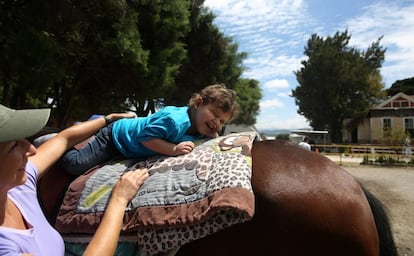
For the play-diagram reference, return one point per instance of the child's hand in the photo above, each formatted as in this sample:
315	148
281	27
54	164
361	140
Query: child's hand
183	148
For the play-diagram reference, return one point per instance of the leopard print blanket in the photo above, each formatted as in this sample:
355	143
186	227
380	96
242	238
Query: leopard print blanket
185	198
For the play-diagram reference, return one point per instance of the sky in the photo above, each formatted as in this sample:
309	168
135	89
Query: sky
275	32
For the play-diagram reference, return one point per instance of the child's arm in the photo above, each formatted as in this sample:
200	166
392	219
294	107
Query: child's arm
167	148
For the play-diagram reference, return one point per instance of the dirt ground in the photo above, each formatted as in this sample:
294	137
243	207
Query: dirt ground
394	186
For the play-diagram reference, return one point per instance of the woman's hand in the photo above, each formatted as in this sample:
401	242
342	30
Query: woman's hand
106	237
128	184
116	116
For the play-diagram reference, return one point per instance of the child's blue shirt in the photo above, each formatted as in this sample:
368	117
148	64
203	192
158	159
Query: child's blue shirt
170	124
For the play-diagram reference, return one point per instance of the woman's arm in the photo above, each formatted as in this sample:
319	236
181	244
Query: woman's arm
106	238
50	151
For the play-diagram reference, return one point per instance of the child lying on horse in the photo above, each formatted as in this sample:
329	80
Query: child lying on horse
170	131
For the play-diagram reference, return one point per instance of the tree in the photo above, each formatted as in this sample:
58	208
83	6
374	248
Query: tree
27	65
95	57
212	58
337	81
405	86
90	56
164	27
103	56
248	96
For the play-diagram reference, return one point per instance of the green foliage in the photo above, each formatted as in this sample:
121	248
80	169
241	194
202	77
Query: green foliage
389	160
87	57
248	96
337	82
102	56
28	52
394	137
283	136
365	160
211	58
346	150
405	86
68	52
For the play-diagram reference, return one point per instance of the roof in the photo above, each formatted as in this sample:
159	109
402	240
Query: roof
399	100
235	128
304	132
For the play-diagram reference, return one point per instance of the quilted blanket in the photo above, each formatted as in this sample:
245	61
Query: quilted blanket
185	197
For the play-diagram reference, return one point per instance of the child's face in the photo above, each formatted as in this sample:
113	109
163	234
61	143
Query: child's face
210	119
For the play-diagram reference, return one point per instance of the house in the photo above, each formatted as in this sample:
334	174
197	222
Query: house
392	115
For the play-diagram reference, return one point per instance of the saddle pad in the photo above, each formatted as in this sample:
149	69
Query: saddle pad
185	197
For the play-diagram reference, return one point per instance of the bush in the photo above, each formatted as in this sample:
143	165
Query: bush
389	161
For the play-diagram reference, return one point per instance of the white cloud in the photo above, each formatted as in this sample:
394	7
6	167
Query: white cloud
267	30
275	122
284	94
271	103
268	67
276	84
275	32
396	24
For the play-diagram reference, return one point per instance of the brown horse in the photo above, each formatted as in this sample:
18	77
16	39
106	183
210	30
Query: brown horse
305	205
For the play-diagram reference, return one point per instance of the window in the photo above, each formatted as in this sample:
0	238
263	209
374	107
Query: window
409	126
386	127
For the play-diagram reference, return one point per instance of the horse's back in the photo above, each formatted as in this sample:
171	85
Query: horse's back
305	205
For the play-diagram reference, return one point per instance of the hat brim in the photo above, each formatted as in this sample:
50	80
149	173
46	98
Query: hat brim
23	124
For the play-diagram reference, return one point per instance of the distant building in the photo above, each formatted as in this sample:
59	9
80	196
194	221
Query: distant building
315	137
235	128
395	113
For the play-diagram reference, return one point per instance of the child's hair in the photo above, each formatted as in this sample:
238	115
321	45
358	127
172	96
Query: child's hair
220	96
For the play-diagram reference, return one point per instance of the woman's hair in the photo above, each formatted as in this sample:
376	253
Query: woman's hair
220	96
